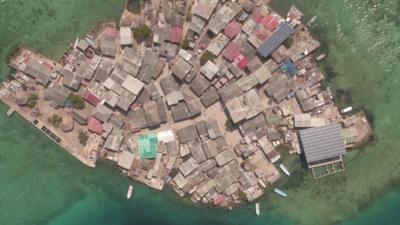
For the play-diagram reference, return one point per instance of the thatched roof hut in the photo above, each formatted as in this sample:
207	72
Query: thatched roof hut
67	124
21	98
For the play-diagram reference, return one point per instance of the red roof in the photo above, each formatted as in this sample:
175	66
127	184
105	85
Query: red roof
263	34
176	35
233	29
256	15
27	59
110	32
84	82
270	22
231	51
48	65
218	200
95	126
91	98
241	61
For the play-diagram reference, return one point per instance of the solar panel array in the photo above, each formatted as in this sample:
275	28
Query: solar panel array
281	33
321	143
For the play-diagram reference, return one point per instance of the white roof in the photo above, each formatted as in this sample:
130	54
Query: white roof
126	36
125	159
174	97
108	83
133	85
166	136
209	70
185	54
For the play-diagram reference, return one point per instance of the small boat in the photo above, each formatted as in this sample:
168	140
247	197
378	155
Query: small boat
280	192
284	169
311	21
130	190
320	57
257	208
347	109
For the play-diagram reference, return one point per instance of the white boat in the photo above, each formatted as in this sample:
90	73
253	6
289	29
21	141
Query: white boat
311	21
257	208
320	57
130	190
280	192
347	109
284	169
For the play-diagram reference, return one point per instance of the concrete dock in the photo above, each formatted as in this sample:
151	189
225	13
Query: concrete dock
50	132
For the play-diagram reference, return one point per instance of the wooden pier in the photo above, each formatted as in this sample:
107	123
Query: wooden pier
10	112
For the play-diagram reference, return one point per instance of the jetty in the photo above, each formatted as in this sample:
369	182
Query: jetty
10	112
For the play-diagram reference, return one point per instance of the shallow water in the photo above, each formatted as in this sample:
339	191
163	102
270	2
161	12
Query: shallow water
41	184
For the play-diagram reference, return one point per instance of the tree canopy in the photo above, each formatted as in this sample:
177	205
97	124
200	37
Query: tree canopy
141	32
76	101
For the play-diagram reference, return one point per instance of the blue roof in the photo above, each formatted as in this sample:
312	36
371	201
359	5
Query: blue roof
288	67
283	31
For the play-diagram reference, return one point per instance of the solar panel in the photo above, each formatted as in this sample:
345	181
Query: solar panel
283	31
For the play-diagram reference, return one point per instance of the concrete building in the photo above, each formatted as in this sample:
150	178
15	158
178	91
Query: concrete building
199	85
57	95
322	145
181	68
133	85
126	36
217	44
113	142
245	106
209	70
125	160
223	16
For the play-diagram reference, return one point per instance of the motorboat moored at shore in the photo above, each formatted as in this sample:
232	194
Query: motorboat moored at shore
284	169
257	209
130	191
280	192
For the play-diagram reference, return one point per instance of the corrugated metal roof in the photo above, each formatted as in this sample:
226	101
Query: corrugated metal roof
321	143
270	22
283	31
176	35
233	29
231	51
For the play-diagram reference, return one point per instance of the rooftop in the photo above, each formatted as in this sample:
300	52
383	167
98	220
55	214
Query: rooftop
280	35
322	143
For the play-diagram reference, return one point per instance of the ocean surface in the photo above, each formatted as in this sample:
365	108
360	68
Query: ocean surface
40	184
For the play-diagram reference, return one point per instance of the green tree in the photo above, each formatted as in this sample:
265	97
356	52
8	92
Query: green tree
55	120
205	57
243	196
32	100
185	44
83	137
76	101
288	43
229	124
141	32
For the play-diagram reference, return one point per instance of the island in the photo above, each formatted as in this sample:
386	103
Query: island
202	96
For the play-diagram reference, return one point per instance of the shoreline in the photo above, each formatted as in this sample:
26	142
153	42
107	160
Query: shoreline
93	151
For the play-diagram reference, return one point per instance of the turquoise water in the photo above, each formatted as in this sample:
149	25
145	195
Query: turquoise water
41	184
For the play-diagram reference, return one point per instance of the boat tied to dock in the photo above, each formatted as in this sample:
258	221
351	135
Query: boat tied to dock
280	192
257	209
284	169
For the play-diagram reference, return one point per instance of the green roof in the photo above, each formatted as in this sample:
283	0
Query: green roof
148	146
